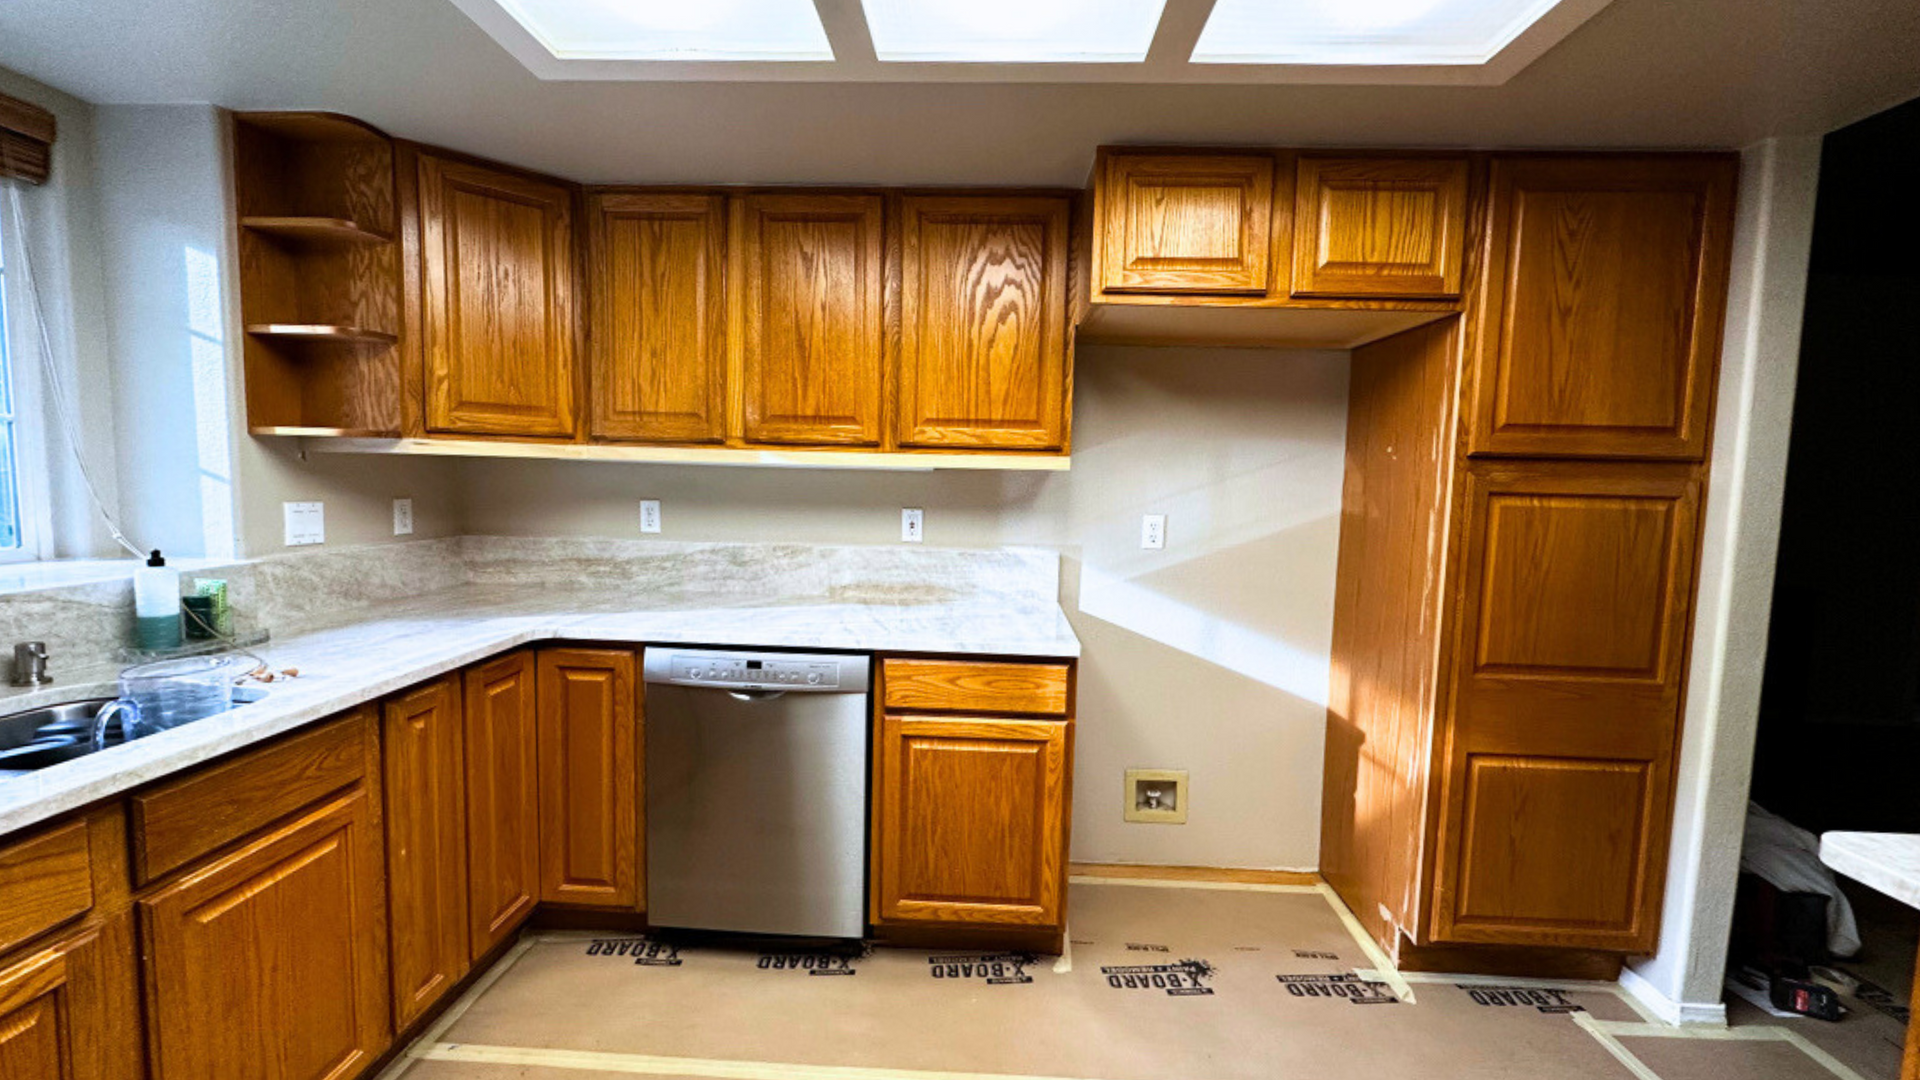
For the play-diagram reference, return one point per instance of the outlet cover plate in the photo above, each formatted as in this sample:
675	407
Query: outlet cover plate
403	517
912	522
1166	779
649	515
1153	531
306	523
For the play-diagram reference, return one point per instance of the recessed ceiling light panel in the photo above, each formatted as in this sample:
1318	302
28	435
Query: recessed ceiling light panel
1013	31
674	29
1364	32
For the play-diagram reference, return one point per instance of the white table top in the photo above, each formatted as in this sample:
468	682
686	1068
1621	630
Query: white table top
1889	862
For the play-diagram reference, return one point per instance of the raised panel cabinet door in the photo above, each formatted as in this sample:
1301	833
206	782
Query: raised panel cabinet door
972	825
812	356
503	800
589	852
983	304
426	845
1386	227
1185	223
270	963
658	348
497	268
1606	287
1568	661
69	1012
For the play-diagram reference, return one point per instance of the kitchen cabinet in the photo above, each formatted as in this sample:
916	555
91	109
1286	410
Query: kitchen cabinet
1181	222
1379	226
66	1009
1605	285
271	960
983	353
812	359
423	766
498	284
658	347
589	777
503	800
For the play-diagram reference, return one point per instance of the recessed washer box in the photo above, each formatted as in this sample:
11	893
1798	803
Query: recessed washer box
1157	796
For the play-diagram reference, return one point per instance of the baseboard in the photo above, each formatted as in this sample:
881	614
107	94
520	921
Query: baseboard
1141	872
1669	1011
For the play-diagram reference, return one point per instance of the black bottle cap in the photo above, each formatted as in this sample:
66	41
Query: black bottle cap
155	559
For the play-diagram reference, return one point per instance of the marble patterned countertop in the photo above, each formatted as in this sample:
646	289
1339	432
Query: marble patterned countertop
1889	862
405	642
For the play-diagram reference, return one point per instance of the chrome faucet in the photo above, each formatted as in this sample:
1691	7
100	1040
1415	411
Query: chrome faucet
30	664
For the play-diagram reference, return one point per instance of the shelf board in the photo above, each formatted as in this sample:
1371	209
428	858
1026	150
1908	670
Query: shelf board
315	230
695	455
293	431
322	332
1245	327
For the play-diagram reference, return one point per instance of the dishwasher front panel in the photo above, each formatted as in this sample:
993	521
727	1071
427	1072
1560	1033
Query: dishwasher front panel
757	804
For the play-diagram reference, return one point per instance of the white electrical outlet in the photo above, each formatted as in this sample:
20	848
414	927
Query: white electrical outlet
911	521
403	517
649	515
306	523
1153	531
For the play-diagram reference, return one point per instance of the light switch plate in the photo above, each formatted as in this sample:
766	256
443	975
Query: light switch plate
403	517
306	523
911	523
649	515
1157	796
1153	531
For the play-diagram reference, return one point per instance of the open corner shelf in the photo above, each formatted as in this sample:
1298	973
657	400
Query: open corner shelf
314	230
322	332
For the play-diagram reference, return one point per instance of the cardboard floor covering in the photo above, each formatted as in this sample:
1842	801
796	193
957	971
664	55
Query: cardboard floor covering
1185	983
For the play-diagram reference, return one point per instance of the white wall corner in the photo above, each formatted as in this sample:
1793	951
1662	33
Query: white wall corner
1670	1010
1759	363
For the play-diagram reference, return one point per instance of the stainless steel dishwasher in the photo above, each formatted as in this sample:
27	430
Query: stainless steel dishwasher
757	791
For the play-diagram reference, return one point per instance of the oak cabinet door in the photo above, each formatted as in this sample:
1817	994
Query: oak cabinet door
658	347
972	825
589	851
69	1011
812	352
271	962
498	279
426	845
1379	227
983	310
1185	223
1568	667
503	808
1606	286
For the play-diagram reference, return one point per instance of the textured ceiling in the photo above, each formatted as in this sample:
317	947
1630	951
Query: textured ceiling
1709	73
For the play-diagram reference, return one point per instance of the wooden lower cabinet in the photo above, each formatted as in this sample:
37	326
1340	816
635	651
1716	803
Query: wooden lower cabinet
270	962
589	779
68	1010
503	793
971	820
425	781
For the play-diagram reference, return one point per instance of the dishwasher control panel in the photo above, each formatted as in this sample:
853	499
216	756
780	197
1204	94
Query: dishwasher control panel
757	671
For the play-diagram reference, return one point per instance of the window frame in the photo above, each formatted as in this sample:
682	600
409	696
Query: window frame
17	341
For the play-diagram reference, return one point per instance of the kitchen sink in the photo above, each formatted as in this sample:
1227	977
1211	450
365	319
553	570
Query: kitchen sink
49	735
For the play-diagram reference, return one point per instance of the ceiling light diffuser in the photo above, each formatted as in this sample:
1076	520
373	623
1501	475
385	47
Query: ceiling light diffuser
1369	32
674	29
1013	31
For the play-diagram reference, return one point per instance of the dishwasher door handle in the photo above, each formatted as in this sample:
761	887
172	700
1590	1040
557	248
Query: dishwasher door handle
756	695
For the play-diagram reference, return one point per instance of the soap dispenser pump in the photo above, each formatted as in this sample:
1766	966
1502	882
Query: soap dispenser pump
156	605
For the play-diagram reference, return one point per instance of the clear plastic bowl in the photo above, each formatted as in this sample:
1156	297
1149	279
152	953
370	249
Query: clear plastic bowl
174	692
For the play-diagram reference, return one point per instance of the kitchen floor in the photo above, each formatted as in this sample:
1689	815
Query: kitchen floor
1215	982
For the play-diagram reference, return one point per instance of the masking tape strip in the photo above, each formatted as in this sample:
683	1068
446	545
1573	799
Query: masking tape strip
480	986
1619	1029
1222	886
1064	963
1613	1046
1383	968
651	1065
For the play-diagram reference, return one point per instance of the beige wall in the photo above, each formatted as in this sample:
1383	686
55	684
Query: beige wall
1209	656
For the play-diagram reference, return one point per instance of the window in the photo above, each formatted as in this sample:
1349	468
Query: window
21	531
10	524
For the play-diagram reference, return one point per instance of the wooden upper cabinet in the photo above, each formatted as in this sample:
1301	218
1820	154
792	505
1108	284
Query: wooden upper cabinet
1184	223
426	845
1606	284
658	343
589	778
1568	666
1379	227
497	270
811	307
983	311
503	800
270	961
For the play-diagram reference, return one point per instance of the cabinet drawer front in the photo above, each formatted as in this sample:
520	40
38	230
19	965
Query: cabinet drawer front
1185	223
1390	227
45	880
184	819
968	686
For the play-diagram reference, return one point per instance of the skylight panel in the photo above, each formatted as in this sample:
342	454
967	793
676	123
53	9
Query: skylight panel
674	29
1013	31
1364	32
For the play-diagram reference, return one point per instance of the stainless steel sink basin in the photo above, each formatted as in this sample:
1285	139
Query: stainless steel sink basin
37	738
